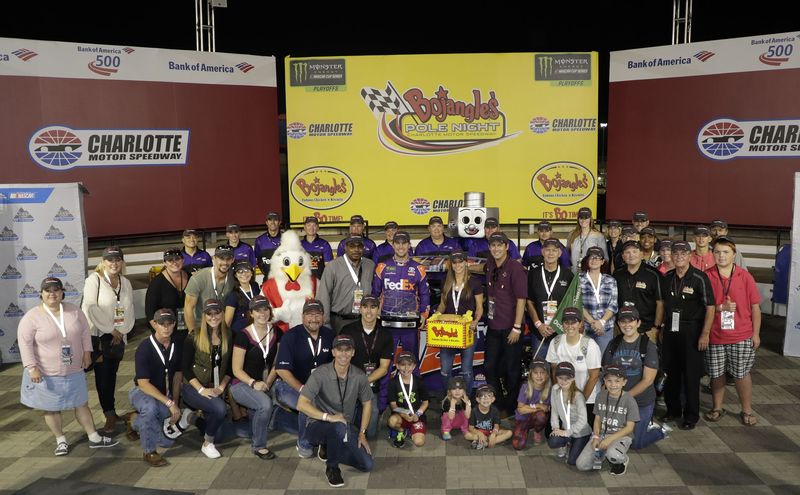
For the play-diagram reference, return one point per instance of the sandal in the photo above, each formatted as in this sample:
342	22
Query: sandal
714	415
748	419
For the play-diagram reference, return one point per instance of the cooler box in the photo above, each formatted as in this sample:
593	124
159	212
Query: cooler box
450	331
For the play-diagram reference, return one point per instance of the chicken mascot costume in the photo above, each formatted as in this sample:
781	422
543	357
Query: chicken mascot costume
290	282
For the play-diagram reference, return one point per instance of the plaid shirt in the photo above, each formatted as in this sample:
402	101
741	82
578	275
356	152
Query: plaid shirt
608	300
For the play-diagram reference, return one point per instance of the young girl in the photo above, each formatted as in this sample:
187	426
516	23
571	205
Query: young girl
484	422
456	408
571	431
533	405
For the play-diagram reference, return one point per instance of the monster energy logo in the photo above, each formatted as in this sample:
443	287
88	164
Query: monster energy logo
544	66
317	72
300	72
563	67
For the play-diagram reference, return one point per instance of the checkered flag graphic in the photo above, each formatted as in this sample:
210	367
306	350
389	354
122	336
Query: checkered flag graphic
382	101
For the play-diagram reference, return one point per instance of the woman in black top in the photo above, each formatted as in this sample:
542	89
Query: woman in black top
207	372
254	351
237	309
166	290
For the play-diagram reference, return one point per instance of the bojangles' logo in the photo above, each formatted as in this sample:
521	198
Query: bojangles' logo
442	332
416	124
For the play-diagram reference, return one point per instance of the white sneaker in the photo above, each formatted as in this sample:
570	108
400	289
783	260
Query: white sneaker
210	451
653	425
562	452
665	429
186	419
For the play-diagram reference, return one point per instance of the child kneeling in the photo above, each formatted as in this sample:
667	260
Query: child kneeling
408	398
456	408
484	422
533	405
613	425
571	431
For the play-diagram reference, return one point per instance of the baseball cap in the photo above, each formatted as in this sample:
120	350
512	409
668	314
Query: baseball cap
545	225
500	237
259	302
311	220
627	244
724	240
312	305
343	340
666	243
401	236
681	246
406	356
565	368
551	243
391	224
188	232
701	230
223	251
628	313
435	219
614	223
273	216
172	254
456	382
491	222
539	363
722	224
629	230
356	219
640	216
232	227
484	389
648	231
370	300
571	314
112	252
595	251
212	305
52	282
242	265
614	370
458	256
164	315
354	239
585	213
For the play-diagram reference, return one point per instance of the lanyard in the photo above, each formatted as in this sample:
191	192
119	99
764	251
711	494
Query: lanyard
60	322
356	278
266	340
566	408
319	348
608	413
677	289
549	290
457	296
370	348
596	290
180	287
119	287
248	295
407	395
165	362
342	394
214	283
730	282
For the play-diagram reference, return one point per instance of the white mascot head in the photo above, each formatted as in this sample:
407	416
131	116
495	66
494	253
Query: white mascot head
290	272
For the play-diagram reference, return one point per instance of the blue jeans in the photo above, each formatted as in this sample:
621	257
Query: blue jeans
372	428
214	409
332	435
446	358
288	396
260	406
576	446
642	437
150	420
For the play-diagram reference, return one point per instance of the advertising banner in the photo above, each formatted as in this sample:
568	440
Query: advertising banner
157	137
705	130
404	137
791	341
42	236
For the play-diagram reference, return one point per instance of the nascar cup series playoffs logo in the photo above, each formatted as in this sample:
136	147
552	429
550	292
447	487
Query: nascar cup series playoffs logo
62	148
724	139
437	123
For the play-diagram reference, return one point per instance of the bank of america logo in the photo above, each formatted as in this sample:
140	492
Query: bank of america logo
11	273
26	254
703	55
57	271
70	290
245	67
23	215
13	311
67	253
53	233
128	50
24	54
8	235
28	292
63	215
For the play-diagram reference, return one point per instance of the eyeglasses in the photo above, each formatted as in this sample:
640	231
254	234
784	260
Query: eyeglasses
596	258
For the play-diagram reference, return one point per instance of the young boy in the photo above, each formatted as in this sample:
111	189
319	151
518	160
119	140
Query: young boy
616	414
484	422
408	399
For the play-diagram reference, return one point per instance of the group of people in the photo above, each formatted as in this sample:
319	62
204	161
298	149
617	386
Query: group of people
676	311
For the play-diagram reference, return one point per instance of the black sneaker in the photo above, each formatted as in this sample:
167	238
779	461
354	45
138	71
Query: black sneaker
399	440
334	475
322	453
619	469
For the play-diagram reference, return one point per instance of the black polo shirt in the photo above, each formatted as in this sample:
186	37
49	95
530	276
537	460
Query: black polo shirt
148	364
370	348
537	292
642	289
690	295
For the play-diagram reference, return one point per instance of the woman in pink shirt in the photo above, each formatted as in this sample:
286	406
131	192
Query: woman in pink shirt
55	346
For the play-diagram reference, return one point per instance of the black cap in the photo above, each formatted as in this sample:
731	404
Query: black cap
629	230
164	315
701	230
544	225
628	313
112	252
565	368
391	224
614	223
595	251
551	243
243	265
539	363
435	219
724	240
52	282
484	389
356	219
722	224
406	356
354	239
343	340
456	382
224	251
627	244
648	231
259	302
500	237
458	255
571	313
273	216
311	220
401	236
491	222
212	305
312	305
614	370
665	243
640	216
172	254
370	300
585	212
188	232
681	246
232	227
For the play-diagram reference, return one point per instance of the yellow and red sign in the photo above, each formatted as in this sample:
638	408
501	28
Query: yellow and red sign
403	137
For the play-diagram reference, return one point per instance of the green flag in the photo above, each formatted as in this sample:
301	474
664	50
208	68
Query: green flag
572	299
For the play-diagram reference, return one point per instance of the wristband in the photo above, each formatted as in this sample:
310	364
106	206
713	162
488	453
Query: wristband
419	413
596	437
538	324
200	390
324	416
516	330
169	403
252	382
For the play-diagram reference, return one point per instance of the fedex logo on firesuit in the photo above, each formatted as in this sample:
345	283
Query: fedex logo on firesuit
403	284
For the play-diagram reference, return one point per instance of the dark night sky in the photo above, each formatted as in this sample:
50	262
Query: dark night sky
256	27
